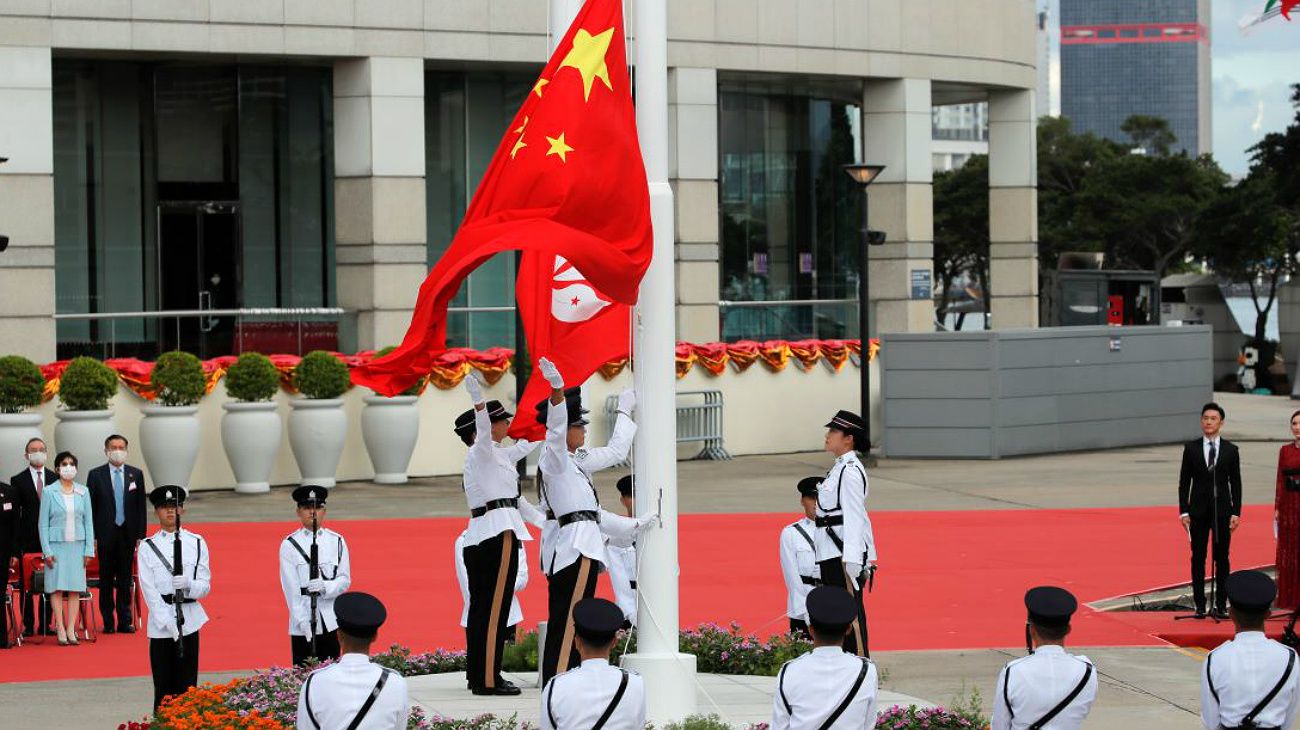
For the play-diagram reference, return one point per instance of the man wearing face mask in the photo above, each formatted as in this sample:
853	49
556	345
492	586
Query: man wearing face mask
117	497
30	484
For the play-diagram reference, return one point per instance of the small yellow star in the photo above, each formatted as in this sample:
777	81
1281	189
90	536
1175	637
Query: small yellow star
588	57
537	87
559	147
519	143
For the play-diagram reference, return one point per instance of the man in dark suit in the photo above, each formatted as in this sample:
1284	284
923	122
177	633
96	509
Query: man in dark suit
117	499
1209	501
30	484
9	512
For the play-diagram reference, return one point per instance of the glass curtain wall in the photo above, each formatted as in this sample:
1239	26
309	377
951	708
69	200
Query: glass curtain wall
791	219
466	114
143	145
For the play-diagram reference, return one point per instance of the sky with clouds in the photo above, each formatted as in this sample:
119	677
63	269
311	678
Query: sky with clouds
1252	73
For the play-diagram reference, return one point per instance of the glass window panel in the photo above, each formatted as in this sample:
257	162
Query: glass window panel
196	116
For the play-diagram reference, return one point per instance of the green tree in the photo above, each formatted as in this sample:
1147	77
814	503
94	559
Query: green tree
961	227
1065	160
1152	134
1279	153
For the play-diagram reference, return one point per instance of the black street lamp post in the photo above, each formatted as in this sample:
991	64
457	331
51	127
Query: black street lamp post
864	175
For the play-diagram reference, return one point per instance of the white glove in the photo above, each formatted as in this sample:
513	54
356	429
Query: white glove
180	583
173	631
474	388
627	401
316	585
854	570
304	627
551	373
645	521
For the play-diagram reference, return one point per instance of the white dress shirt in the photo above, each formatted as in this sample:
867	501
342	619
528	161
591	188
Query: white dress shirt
1243	671
335	570
1205	449
844	492
491	474
798	566
156	580
1035	684
336	693
462	578
567	487
810	688
576	699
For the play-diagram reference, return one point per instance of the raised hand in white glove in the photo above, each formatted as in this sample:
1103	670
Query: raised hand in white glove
474	388
627	401
180	583
646	520
550	373
316	585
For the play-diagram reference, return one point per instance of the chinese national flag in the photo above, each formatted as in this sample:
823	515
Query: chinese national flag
568	188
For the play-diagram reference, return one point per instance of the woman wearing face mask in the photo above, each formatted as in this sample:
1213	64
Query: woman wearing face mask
68	541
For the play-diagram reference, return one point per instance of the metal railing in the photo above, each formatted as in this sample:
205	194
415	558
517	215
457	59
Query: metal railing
699	421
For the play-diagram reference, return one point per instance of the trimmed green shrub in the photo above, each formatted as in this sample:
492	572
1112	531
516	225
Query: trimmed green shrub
177	379
21	384
321	375
87	385
414	389
252	378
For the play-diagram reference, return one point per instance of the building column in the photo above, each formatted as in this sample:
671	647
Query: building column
27	203
693	172
1013	209
380	226
896	128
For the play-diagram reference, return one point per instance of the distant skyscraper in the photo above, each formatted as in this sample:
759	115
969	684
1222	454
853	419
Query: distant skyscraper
1122	57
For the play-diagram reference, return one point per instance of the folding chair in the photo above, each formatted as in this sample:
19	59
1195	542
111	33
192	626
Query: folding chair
86	602
33	567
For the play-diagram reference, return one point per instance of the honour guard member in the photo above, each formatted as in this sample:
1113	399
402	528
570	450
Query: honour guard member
172	593
1250	681
799	557
622	557
594	694
315	569
575	554
844	542
828	687
355	693
1049	688
496	529
521	582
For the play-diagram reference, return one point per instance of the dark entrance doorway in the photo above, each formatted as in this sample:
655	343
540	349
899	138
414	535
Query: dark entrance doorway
199	269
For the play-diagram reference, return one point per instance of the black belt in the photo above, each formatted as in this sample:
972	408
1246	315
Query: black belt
584	515
170	599
550	515
494	504
306	592
1248	727
808	580
831	521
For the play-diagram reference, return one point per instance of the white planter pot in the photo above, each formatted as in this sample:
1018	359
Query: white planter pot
83	433
250	433
169	440
16	429
317	429
390	427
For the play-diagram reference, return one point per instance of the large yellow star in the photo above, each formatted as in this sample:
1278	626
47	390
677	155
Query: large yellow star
588	56
559	147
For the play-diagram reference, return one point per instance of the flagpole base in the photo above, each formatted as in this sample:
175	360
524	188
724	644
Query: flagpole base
669	685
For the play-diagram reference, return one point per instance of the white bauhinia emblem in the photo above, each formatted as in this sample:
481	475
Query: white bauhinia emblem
573	299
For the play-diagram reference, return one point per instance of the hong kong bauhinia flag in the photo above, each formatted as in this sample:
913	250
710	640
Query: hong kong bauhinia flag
567	187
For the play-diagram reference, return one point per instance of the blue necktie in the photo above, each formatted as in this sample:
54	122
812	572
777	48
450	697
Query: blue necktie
117	496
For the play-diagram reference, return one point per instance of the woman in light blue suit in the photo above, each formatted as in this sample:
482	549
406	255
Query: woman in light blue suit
68	541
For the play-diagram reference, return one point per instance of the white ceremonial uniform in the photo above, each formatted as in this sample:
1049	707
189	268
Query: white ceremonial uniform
622	577
1030	687
1239	675
809	690
576	699
844	493
567	488
798	566
295	569
156	581
332	696
491	475
462	578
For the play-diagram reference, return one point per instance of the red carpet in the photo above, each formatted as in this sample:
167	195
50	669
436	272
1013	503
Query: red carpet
948	580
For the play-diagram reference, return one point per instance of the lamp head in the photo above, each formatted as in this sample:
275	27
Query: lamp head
863	175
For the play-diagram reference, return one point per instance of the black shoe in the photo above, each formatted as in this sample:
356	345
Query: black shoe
507	684
108	630
501	691
28	632
1199	615
1220	613
128	629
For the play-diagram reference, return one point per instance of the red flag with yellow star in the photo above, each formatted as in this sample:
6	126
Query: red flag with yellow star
567	183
